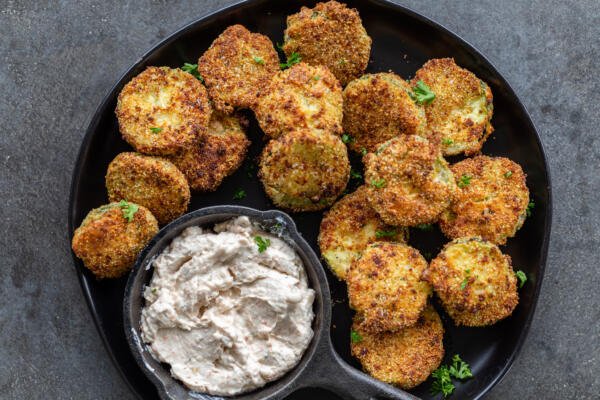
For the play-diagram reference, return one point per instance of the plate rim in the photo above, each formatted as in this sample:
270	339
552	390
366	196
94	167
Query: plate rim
93	120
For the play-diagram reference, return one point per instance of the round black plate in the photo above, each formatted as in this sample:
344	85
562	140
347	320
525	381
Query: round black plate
402	42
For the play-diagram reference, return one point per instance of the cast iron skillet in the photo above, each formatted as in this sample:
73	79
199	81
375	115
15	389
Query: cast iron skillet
320	366
402	41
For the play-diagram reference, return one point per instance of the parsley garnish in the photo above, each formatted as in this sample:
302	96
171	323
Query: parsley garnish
424	227
378	183
508	174
128	209
521	277
463	285
464	181
460	369
422	94
442	383
155	130
239	194
363	151
347	138
294	58
317	77
355	337
193	69
530	208
355	174
447	142
385	234
251	170
262	243
258	60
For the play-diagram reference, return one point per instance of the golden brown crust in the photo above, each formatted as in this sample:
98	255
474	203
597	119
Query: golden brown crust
348	227
330	34
462	109
385	286
217	155
474	281
405	358
236	67
377	107
152	182
300	97
304	170
162	110
492	205
108	244
409	181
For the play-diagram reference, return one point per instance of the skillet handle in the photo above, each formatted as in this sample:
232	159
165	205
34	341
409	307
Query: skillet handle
328	371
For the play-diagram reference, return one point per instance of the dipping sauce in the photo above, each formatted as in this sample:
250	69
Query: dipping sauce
229	309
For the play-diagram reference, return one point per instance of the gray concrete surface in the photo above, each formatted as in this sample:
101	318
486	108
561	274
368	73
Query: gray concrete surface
58	59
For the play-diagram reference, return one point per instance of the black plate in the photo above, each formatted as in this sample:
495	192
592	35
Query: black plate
402	41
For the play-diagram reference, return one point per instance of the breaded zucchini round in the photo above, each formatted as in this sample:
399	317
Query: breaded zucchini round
330	34
385	286
348	227
162	110
304	170
110	238
152	182
462	109
377	107
236	67
302	96
474	281
405	358
491	202
217	155
409	181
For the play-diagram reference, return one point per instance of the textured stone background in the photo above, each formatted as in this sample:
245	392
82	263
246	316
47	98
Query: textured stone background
59	58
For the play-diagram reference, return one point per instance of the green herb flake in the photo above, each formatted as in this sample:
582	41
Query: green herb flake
239	194
128	209
262	243
447	142
464	181
386	234
424	227
251	170
294	58
355	174
378	183
363	152
508	174
442	382
155	130
317	77
355	337
193	69
258	60
347	138
530	208
460	369
521	277
422	94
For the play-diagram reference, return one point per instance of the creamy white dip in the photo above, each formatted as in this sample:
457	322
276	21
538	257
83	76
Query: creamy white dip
226	317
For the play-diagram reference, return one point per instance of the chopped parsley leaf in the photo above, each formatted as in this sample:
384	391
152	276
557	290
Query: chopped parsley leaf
128	209
378	183
464	283
355	337
422	94
386	234
239	194
424	227
294	58
258	60
530	208
363	151
251	170
317	77
442	382
521	277
464	181
447	142
460	369
508	174
155	130
355	174
262	243
193	69
347	138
